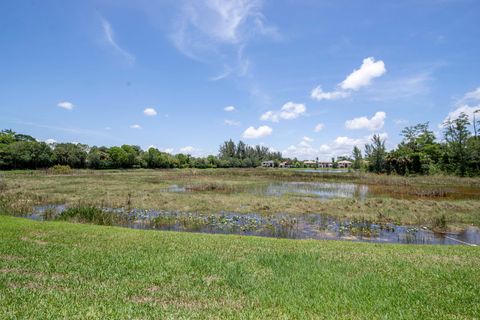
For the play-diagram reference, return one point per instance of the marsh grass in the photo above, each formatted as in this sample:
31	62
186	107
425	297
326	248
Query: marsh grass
92	214
391	199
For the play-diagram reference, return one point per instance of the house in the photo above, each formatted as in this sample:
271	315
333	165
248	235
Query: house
285	164
268	164
310	163
325	164
344	164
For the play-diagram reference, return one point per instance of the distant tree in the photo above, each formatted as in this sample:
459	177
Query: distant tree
73	155
376	154
358	158
456	135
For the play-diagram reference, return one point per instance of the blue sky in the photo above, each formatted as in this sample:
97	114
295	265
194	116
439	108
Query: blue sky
306	77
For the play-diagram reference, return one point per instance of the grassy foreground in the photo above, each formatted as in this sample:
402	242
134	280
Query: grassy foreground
62	270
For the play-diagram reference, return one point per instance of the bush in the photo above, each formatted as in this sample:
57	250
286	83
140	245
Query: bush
60	169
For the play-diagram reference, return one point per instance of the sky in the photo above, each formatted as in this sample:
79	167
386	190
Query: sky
308	78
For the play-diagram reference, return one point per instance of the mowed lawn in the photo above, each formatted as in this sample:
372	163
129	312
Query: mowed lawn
74	271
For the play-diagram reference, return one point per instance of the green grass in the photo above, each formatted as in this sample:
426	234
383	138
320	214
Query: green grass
394	199
61	270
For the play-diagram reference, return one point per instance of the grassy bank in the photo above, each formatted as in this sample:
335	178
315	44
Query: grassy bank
414	200
62	270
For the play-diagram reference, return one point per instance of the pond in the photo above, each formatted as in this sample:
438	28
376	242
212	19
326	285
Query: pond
332	190
322	190
308	226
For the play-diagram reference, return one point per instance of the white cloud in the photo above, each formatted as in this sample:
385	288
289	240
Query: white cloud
108	35
472	95
66	105
229	108
319	127
289	111
188	149
50	141
307	139
340	146
468	110
375	123
167	150
255	133
231	123
319	94
369	70
468	104
359	78
218	31
269	116
135	126
150	112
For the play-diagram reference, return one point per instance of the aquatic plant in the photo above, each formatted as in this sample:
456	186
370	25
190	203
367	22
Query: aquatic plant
92	214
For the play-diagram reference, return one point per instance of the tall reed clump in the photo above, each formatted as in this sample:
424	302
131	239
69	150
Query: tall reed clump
440	223
92	214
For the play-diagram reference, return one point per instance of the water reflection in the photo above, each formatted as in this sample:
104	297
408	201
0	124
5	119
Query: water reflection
309	226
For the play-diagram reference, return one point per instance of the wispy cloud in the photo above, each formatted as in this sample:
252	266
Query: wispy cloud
215	31
108	35
232	123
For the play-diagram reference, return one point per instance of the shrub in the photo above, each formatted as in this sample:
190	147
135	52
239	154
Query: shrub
60	169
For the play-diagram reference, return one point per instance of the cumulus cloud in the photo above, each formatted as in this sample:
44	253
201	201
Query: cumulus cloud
50	141
66	105
340	146
150	112
472	95
108	35
319	94
369	70
468	104
255	133
289	111
229	108
231	123
468	110
135	126
375	123
359	78
319	127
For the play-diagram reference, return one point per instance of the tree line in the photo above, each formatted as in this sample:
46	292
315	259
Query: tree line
418	153
20	151
421	153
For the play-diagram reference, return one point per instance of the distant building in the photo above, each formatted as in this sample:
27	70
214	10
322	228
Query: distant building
268	164
285	164
310	163
344	164
325	164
